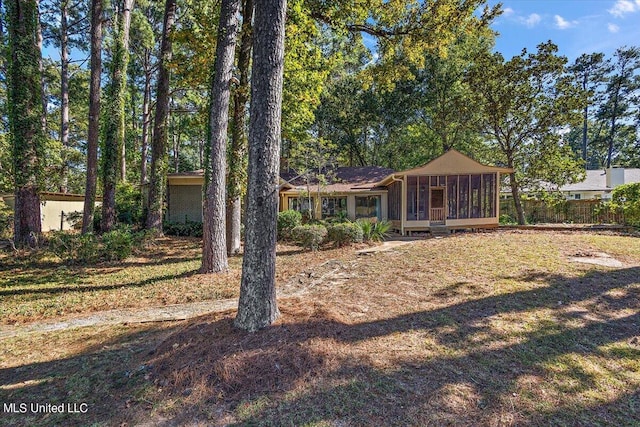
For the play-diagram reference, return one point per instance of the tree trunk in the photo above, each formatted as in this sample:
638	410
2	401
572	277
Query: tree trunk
25	116
257	307
612	128
515	193
94	116
114	117
159	138
237	168
64	94
146	117
214	249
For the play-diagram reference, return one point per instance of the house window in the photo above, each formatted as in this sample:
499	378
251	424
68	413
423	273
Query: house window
395	201
452	196
476	182
423	198
576	197
463	197
412	198
488	196
368	207
334	207
304	205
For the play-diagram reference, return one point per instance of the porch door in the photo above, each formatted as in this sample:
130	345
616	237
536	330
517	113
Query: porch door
436	211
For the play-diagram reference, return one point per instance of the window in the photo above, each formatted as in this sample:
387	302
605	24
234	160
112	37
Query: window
476	182
334	207
576	197
423	198
412	198
395	201
488	195
368	207
463	197
304	205
452	196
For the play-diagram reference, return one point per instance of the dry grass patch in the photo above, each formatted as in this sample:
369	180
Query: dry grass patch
476	330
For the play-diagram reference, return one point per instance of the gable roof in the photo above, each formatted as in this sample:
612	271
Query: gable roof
341	179
452	162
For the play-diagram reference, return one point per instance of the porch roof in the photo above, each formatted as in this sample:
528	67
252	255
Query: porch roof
452	162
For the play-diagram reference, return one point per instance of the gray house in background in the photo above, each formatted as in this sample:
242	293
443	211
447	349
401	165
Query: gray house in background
599	183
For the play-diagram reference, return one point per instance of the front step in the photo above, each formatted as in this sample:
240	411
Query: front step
439	231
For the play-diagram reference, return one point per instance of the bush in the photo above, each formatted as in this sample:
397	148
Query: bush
287	221
309	236
345	233
74	248
117	244
627	198
129	204
380	231
188	228
6	220
506	219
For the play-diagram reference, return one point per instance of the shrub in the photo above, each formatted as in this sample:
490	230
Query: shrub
287	221
506	219
129	204
74	248
627	198
187	228
117	244
309	236
6	220
345	233
380	231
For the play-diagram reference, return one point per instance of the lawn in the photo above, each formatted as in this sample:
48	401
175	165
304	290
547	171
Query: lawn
475	329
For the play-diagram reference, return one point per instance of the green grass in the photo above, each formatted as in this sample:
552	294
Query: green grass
476	329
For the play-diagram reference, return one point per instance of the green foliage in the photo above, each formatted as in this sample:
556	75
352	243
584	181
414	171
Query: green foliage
345	233
74	248
117	244
129	204
506	219
375	231
6	220
287	221
310	236
187	228
627	197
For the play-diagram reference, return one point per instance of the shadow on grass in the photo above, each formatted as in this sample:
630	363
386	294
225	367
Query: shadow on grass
307	368
75	284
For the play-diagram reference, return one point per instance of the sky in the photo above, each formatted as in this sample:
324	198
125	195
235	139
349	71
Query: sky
576	26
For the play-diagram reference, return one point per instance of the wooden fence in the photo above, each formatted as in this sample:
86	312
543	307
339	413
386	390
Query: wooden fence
568	211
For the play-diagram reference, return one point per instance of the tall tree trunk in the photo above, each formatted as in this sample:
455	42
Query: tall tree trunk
64	94
237	167
585	122
43	83
146	116
257	307
114	117
25	116
159	138
94	116
612	128
214	250
515	191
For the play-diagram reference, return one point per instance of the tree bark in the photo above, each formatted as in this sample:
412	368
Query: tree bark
146	116
237	169
214	249
159	139
64	94
257	307
25	116
94	116
114	117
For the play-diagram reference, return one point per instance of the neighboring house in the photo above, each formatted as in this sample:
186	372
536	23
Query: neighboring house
598	184
452	191
55	208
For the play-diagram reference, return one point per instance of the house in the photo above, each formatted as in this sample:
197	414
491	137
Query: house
598	184
55	208
351	192
452	191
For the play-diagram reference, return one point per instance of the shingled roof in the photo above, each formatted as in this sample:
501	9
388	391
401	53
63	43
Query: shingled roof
341	179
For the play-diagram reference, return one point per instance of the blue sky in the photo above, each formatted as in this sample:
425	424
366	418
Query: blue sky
576	26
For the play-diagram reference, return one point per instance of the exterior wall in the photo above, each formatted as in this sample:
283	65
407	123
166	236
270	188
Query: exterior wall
351	202
588	195
52	211
185	203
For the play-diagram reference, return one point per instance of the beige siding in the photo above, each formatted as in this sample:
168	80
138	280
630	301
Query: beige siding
185	203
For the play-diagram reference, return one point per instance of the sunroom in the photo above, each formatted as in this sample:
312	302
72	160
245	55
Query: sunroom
453	192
